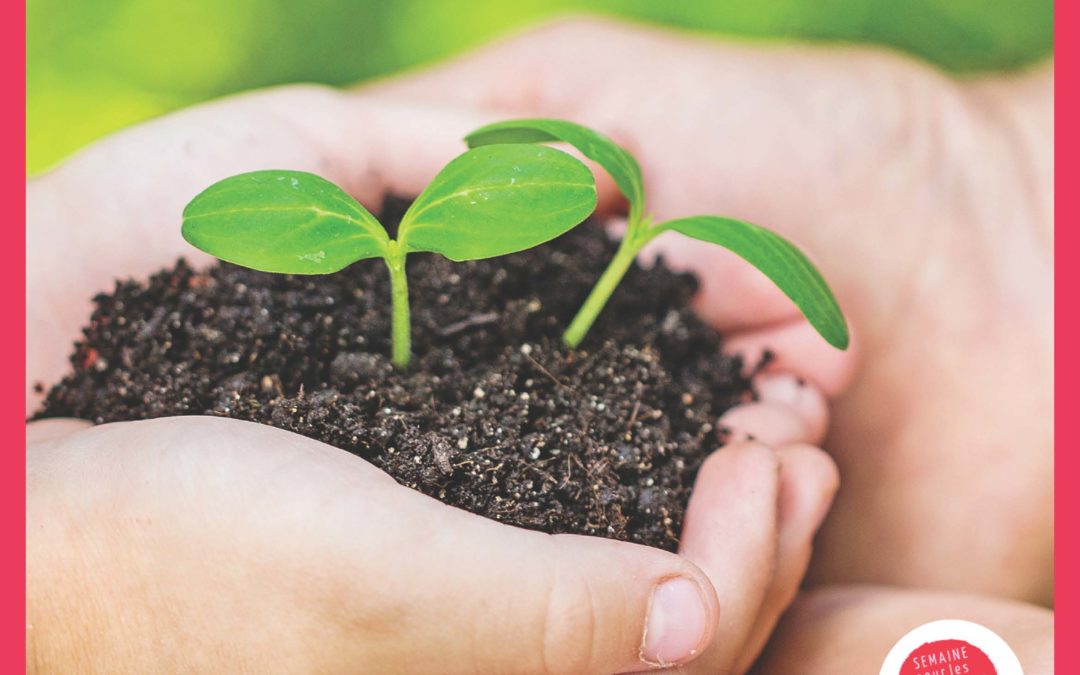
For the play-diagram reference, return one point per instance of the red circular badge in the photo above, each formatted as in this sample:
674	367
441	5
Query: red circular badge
951	647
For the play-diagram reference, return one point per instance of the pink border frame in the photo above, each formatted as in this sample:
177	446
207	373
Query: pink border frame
1066	360
1067	397
13	346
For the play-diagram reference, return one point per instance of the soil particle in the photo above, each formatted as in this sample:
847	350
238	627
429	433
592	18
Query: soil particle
494	415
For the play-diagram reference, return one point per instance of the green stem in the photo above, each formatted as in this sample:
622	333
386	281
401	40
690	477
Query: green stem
632	242
399	291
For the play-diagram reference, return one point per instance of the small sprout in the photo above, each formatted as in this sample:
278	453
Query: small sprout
486	202
773	255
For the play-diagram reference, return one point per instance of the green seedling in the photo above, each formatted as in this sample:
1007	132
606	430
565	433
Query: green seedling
773	255
487	202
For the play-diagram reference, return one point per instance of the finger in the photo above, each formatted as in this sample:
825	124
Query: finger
808	482
788	410
797	348
538	603
800	396
550	604
50	429
471	595
730	532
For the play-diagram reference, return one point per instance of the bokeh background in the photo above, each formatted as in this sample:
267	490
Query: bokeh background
94	66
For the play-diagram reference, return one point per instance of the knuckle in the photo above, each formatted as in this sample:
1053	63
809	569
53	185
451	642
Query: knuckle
757	454
568	635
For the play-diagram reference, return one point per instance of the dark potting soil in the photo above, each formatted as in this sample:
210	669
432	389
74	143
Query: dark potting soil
494	415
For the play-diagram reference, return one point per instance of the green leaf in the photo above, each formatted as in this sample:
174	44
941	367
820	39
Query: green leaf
497	200
779	260
282	221
620	164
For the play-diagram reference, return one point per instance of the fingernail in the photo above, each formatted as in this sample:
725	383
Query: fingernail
805	400
676	623
781	388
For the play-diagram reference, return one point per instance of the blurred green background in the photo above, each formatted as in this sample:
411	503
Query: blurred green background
94	66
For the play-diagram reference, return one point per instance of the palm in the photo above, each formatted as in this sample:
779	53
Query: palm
926	203
208	506
950	293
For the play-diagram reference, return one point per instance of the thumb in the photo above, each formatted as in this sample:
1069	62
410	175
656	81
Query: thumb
237	543
478	596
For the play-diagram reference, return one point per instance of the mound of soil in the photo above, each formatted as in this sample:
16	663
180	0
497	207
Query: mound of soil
494	415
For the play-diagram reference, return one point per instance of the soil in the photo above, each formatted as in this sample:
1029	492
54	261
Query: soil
494	415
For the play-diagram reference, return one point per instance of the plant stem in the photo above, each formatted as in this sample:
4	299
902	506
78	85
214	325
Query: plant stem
632	242
399	291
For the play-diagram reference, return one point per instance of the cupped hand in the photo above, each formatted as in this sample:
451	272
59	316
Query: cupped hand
926	201
203	543
209	544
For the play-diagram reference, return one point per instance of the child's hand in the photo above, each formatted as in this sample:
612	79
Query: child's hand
211	545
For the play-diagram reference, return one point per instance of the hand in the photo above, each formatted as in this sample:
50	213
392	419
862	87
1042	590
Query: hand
849	629
200	543
927	203
208	544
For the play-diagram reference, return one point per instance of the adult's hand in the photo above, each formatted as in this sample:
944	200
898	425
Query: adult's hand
927	202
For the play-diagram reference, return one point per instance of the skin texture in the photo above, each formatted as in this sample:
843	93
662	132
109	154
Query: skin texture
926	203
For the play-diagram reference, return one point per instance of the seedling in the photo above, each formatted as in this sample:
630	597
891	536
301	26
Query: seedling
486	202
773	255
